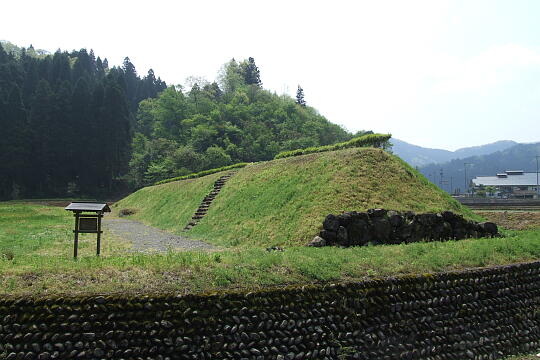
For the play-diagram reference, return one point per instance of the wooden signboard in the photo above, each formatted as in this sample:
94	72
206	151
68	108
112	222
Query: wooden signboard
88	224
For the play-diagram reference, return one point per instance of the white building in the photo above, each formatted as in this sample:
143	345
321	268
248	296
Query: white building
510	184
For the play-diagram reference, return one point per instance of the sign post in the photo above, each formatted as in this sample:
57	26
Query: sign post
88	217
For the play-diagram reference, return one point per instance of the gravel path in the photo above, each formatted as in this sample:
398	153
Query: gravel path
147	238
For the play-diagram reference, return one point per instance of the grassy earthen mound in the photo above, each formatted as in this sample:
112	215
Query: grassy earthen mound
283	202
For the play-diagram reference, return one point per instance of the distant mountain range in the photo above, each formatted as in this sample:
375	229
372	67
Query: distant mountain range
517	157
419	156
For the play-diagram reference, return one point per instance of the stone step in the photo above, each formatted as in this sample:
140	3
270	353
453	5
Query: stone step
207	201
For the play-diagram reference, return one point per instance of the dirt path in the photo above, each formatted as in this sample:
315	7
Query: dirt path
513	220
147	238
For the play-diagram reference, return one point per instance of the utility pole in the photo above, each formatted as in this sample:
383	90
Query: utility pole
537	189
466	178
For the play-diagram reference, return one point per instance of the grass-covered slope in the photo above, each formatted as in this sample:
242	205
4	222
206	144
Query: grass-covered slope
283	202
168	206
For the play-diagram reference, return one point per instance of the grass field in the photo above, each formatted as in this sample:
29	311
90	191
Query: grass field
36	260
283	202
30	229
280	202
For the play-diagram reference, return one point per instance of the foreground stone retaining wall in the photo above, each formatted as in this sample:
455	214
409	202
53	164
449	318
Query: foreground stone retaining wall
479	314
380	226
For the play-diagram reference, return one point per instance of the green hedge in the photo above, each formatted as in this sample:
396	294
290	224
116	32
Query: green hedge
202	173
374	140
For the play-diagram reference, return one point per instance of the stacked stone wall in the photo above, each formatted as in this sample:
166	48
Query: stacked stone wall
380	226
477	314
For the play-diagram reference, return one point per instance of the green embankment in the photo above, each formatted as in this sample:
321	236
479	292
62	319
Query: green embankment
283	202
168	206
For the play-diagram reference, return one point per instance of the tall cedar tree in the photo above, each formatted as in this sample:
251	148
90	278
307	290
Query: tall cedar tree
251	72
300	96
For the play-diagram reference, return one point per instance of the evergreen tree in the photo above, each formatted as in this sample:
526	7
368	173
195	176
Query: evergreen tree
117	136
251	73
14	154
41	124
132	82
300	96
76	106
61	70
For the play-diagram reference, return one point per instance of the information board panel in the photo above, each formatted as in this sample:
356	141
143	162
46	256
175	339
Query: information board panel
88	224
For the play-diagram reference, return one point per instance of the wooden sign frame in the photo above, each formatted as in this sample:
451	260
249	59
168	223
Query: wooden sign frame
87	221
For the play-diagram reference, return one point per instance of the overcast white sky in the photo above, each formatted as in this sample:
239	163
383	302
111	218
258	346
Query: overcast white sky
444	74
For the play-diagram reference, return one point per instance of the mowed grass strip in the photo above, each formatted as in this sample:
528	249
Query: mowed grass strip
34	274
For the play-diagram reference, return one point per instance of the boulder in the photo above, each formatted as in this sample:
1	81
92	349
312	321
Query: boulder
331	223
344	219
342	236
375	213
489	228
317	242
358	232
381	229
329	236
396	220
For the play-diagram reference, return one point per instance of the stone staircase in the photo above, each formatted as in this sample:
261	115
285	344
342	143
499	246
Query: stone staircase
207	201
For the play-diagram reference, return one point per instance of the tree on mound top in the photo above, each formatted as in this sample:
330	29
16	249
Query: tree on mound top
300	96
250	72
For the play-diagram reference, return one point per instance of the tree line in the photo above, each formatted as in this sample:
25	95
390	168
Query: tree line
73	126
66	121
213	124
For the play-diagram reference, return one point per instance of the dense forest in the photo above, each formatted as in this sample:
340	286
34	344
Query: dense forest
72	126
220	123
67	121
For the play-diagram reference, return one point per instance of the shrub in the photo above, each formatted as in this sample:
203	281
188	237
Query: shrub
373	140
203	173
126	212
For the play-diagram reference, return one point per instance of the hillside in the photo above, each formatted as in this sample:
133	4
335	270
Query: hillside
420	156
518	157
283	202
233	119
